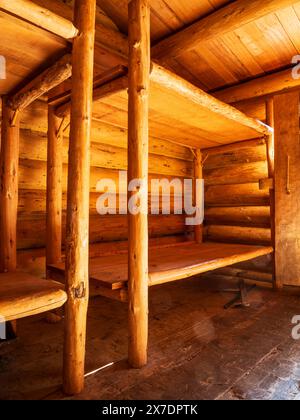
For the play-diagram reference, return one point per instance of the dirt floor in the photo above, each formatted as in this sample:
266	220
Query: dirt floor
197	350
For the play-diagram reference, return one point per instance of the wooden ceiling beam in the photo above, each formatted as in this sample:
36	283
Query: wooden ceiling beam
40	16
227	19
109	82
43	83
279	82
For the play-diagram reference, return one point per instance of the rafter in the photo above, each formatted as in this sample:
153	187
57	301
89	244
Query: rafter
40	16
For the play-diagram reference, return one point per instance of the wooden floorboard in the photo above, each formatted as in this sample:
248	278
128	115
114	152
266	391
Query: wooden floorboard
197	350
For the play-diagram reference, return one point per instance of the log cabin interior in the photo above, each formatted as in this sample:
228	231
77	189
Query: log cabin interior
135	306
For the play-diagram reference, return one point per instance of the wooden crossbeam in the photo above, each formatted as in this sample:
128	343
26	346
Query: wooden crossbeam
279	82
103	84
42	84
225	20
40	16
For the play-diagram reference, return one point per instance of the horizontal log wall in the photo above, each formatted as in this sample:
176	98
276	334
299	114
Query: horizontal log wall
237	210
108	156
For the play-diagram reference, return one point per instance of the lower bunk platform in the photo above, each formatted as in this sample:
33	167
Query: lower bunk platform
168	263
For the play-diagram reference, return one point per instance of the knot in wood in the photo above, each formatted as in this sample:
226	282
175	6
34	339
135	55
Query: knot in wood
79	292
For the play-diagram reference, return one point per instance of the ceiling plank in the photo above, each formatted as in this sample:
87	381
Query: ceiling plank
227	19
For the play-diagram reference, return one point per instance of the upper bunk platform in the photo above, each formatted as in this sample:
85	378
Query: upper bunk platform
168	263
179	112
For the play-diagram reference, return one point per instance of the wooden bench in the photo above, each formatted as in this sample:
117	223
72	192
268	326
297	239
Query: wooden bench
22	295
109	274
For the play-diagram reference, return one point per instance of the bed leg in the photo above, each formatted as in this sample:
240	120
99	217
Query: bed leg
241	298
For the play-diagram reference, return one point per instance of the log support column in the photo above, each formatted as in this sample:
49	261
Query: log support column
9	168
270	157
287	189
198	175
54	189
138	138
77	236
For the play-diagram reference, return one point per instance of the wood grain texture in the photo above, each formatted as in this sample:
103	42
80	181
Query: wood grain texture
22	295
54	190
287	217
77	242
138	149
9	172
173	262
198	175
225	20
39	16
261	87
42	84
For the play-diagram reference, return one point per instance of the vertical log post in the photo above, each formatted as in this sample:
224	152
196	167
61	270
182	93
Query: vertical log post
138	139
9	189
198	174
77	238
9	169
271	171
287	189
54	189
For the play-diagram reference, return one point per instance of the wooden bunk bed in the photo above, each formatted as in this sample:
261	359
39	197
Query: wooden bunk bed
158	99
168	263
199	121
194	119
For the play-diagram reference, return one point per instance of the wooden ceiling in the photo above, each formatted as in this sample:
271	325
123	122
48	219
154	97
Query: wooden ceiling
255	49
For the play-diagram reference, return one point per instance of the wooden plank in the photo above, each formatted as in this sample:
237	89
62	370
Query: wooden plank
227	19
138	150
166	83
186	90
172	262
287	187
22	295
40	17
77	243
212	257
